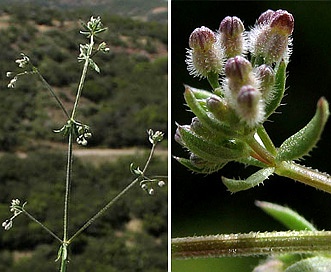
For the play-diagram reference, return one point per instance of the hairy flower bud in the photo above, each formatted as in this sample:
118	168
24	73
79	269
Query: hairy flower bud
250	107
265	17
219	107
270	39
266	76
239	72
231	31
238	68
206	54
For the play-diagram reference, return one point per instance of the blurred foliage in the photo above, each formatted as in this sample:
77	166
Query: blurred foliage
127	97
109	244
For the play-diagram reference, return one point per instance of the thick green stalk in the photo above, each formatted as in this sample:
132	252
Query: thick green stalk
250	244
311	177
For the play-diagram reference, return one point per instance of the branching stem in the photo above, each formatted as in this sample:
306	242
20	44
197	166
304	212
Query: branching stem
115	199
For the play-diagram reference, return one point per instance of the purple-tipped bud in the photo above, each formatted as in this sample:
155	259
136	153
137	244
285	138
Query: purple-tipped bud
266	76
202	38
238	68
250	107
265	17
248	97
231	36
206	54
282	21
270	39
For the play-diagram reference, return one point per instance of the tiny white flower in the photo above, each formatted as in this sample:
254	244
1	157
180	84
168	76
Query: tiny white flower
7	224
161	183
9	74
12	83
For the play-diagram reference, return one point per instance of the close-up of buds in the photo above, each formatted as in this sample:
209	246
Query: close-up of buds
228	122
247	72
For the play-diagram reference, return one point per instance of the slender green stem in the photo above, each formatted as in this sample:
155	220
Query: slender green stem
262	154
83	76
264	136
305	175
213	80
67	199
48	87
42	225
250	244
115	199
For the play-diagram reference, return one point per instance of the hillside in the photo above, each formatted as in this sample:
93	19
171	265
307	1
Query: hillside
126	98
119	104
156	10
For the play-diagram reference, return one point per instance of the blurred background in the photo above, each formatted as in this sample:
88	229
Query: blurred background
201	204
128	97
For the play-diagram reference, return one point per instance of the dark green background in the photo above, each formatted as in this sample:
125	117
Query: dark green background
201	204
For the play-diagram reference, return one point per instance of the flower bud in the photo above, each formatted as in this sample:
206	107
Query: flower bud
282	21
202	38
239	72
218	106
265	17
266	76
238	68
206	54
178	137
250	107
270	39
231	36
161	183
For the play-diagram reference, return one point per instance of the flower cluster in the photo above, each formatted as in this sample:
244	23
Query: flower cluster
16	209
23	63
146	183
247	73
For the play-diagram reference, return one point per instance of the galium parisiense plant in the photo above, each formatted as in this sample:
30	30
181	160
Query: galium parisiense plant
75	130
247	74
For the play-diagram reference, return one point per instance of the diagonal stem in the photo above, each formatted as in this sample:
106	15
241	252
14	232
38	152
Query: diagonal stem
115	199
42	225
48	87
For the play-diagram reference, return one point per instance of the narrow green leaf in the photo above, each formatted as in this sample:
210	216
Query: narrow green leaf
59	253
257	178
207	118
314	264
302	142
198	93
279	90
286	216
230	150
206	168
